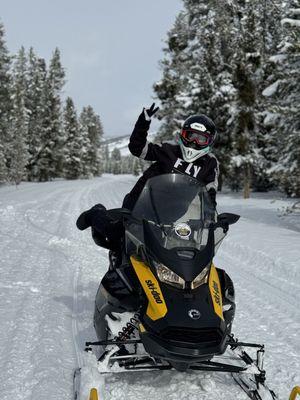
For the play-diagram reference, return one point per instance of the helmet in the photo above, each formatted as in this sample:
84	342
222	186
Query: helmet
198	134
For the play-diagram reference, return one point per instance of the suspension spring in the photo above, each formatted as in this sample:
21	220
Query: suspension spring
129	328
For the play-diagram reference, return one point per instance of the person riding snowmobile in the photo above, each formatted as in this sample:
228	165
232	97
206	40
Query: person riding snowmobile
192	156
179	306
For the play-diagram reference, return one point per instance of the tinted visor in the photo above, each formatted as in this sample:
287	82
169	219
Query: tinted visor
199	138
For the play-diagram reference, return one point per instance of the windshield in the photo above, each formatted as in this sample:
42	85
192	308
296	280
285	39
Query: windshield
177	209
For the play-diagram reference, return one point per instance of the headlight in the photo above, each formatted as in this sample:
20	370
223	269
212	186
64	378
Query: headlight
167	276
201	278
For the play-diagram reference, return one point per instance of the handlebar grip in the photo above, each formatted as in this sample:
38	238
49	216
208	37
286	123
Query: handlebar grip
81	222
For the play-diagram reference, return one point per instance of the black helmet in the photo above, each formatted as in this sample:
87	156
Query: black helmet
197	136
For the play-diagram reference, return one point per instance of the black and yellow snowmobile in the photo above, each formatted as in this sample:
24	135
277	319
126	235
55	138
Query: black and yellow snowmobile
166	305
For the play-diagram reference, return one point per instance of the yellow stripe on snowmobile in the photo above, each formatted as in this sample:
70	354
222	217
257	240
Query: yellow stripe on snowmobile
93	394
156	303
215	291
294	392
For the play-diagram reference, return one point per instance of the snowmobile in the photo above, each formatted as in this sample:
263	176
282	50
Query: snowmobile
165	305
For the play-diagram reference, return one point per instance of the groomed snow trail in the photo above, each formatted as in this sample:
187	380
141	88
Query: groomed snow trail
50	273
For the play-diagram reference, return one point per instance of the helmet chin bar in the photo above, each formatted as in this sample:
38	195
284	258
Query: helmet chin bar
189	154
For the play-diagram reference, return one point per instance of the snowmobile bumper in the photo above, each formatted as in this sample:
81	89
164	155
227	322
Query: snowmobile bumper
178	351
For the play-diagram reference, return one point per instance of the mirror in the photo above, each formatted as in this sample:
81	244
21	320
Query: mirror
228	218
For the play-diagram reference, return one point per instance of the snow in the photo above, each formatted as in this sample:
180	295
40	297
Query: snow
122	144
294	11
278	58
271	90
50	272
227	89
270	117
290	22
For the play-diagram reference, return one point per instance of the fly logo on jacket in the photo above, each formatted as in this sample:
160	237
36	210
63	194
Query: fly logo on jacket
187	168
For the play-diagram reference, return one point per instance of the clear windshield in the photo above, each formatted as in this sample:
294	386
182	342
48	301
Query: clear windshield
178	210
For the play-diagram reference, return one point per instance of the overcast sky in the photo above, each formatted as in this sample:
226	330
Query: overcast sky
110	49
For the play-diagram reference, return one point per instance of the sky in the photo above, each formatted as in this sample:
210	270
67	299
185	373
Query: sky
110	49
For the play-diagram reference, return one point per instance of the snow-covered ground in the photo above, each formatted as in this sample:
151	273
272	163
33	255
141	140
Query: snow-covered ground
50	272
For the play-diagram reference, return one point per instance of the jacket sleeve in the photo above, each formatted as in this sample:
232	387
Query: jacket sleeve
212	179
138	144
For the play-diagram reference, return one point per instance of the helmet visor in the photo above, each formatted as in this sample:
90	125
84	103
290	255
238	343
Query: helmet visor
199	138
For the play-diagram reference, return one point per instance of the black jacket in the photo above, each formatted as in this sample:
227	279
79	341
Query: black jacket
168	158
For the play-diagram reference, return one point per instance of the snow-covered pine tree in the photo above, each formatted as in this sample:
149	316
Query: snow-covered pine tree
18	127
246	155
50	160
86	144
172	84
136	170
106	159
3	168
91	129
72	167
284	96
5	103
213	45
115	160
197	71
36	106
126	166
268	27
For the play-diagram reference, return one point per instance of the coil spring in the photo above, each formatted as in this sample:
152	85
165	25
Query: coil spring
129	328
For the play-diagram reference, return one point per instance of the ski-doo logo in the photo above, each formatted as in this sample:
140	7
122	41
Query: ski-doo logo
194	314
216	293
154	292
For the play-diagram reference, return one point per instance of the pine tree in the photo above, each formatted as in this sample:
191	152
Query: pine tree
246	156
18	129
50	161
106	159
284	95
37	108
136	167
92	131
72	168
169	88
3	168
116	161
5	103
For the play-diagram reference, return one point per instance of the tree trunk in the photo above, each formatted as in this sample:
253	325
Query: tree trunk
247	182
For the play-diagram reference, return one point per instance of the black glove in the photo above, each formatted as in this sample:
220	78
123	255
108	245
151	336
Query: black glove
149	112
144	118
95	217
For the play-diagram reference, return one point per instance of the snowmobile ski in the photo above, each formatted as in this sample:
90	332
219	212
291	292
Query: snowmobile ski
76	383
254	390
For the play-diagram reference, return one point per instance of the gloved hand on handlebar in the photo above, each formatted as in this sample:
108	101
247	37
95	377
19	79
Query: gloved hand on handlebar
106	232
95	217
